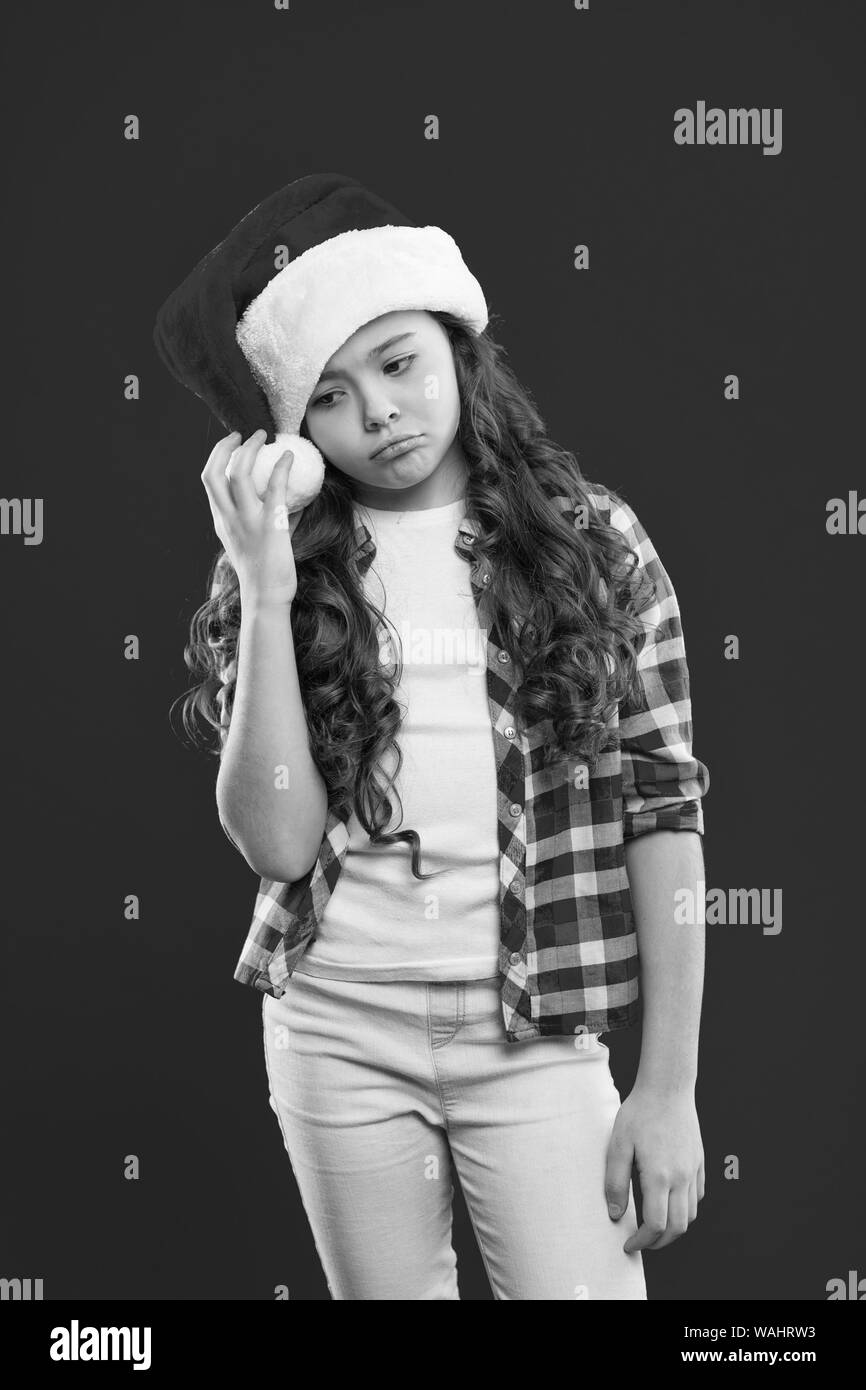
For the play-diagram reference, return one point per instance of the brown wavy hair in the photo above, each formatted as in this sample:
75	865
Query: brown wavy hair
563	601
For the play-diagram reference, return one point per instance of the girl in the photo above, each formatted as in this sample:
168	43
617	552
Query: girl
412	556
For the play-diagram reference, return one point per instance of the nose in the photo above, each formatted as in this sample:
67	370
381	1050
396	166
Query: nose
379	412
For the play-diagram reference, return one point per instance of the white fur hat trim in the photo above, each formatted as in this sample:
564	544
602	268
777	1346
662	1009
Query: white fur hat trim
317	301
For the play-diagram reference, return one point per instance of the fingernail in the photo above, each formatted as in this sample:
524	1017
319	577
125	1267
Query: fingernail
614	1209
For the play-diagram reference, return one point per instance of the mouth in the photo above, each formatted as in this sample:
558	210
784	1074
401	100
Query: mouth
397	446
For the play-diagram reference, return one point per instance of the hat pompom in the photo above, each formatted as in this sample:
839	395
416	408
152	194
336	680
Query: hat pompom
306	474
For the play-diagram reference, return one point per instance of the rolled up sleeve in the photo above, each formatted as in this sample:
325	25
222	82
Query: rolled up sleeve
663	783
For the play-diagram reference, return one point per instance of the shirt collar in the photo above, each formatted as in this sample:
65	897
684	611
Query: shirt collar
365	547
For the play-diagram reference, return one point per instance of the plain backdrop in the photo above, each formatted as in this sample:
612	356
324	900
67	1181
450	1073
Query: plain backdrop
556	129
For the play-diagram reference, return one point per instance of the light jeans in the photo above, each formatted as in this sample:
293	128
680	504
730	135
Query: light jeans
378	1086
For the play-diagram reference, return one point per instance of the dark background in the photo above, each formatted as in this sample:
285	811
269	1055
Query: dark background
556	129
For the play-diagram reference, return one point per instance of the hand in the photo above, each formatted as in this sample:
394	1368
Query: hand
660	1133
256	532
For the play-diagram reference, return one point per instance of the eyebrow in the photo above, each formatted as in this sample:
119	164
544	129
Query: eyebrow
374	352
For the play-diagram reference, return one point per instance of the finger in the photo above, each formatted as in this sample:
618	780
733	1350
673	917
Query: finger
700	1182
274	497
617	1177
655	1220
693	1200
276	485
213	473
678	1217
238	474
218	518
280	485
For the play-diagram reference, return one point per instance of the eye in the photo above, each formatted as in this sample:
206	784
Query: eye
409	357
395	361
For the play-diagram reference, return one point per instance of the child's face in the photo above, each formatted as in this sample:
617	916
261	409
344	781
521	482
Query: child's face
409	388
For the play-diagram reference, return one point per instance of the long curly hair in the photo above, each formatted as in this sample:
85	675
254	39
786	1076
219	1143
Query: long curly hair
563	600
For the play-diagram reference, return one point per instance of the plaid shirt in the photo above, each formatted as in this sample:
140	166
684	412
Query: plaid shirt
568	957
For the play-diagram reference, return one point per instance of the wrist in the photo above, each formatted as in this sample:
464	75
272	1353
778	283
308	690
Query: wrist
664	1083
265	600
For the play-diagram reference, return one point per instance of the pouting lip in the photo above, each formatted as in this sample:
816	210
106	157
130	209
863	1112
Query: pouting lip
398	439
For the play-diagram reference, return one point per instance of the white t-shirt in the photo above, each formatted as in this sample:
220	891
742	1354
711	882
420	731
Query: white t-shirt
382	923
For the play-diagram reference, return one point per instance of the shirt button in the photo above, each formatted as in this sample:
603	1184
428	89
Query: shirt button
503	656
509	732
514	958
514	809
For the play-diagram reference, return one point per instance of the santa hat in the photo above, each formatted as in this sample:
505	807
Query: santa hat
253	324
